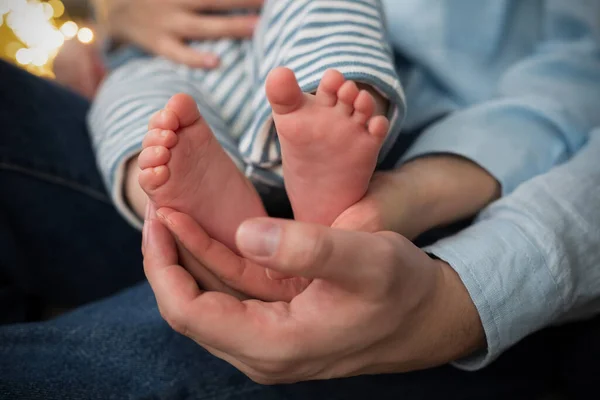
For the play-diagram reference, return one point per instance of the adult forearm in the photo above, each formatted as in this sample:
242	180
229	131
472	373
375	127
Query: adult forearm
433	191
532	258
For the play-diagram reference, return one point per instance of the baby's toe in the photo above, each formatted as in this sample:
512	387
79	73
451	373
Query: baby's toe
184	109
364	107
160	137
283	91
151	179
379	126
153	156
164	119
330	84
346	97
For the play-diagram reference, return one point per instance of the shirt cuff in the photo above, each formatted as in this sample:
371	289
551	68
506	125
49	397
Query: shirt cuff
508	280
513	139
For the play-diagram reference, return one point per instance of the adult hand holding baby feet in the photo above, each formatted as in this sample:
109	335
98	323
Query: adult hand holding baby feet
330	142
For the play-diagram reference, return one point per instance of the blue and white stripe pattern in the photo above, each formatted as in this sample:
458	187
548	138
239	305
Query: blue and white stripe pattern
307	36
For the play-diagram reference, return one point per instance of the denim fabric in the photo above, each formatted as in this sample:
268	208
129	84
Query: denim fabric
60	238
120	348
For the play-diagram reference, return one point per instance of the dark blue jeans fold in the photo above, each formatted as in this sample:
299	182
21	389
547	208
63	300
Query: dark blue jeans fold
63	243
61	240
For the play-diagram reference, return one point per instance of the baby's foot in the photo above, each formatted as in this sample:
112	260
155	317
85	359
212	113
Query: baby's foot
191	173
329	143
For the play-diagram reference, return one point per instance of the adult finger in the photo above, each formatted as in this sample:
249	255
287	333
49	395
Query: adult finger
202	27
214	319
314	251
206	279
174	288
181	53
235	271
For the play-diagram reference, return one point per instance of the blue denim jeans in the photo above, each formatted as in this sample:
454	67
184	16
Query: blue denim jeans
62	243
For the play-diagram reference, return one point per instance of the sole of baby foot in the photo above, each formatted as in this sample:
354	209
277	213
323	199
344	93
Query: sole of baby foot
330	142
185	168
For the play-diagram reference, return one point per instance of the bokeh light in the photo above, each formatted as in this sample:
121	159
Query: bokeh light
85	35
58	8
47	10
69	29
24	56
40	58
33	31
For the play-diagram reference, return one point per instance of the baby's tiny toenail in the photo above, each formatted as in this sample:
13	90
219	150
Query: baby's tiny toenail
157	151
164	133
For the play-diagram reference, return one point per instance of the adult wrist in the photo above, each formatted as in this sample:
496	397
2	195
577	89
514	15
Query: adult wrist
444	327
463	327
447	328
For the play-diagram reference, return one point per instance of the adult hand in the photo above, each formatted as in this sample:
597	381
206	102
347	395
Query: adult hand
375	304
162	27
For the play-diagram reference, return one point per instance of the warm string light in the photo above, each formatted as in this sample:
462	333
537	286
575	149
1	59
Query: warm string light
40	33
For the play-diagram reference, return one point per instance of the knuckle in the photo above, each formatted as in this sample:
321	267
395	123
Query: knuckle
274	368
175	321
388	262
188	27
178	326
306	248
320	251
262	380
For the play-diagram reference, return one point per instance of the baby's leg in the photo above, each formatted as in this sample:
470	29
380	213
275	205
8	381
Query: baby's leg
328	144
192	173
119	124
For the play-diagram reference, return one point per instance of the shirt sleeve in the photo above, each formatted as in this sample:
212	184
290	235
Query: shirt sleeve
532	259
545	104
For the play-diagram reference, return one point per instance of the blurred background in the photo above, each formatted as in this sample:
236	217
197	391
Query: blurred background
33	31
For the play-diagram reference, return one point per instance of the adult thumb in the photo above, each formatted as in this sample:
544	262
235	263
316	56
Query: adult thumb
313	251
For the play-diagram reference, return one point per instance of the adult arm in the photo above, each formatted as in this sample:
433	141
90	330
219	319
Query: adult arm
383	306
545	104
533	258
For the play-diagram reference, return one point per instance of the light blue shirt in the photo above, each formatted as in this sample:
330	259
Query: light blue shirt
521	80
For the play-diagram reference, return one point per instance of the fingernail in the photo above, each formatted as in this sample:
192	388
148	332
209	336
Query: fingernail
276	275
211	61
259	238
